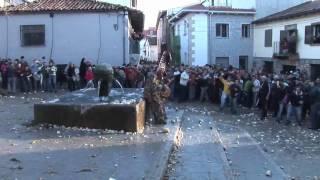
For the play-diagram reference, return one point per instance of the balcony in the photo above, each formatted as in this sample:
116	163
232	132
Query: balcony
286	48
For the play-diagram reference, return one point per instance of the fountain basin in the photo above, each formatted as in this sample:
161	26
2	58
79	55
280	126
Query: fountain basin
121	111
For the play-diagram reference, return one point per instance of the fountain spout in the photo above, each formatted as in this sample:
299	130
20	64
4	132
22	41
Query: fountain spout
118	82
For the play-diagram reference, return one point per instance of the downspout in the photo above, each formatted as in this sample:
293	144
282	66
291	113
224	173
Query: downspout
100	40
52	35
209	38
124	38
7	35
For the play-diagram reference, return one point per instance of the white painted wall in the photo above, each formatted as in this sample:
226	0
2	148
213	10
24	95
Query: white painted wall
75	36
306	51
200	41
184	40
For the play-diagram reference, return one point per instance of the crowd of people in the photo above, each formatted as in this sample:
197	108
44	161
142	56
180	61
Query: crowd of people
285	95
19	76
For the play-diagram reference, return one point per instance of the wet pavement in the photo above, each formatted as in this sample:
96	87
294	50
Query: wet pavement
289	151
209	144
199	154
49	152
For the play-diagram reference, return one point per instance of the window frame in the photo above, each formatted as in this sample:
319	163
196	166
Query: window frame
23	32
315	33
134	3
248	31
220	35
310	38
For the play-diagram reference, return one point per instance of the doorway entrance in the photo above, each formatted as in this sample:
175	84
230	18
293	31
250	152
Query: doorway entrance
243	63
268	67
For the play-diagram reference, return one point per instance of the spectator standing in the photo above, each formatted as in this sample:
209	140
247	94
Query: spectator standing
295	105
89	77
263	96
52	80
315	106
184	79
82	72
71	77
4	74
12	78
27	76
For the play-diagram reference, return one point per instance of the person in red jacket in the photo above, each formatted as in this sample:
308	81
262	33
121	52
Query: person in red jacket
89	77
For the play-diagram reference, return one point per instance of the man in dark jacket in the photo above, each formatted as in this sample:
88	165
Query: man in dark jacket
315	106
263	96
295	102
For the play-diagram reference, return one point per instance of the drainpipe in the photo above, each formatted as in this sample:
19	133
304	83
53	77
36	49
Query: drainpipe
124	37
52	35
209	40
7	35
100	40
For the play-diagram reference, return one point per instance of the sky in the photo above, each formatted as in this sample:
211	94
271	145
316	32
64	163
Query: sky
152	7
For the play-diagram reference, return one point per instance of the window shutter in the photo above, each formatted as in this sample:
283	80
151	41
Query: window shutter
218	30
308	35
268	38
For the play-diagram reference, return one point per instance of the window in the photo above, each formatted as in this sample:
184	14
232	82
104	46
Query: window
133	3
316	33
32	35
245	30
178	32
268	38
222	30
312	34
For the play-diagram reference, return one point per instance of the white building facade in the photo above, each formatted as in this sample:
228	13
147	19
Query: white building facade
100	35
214	35
273	50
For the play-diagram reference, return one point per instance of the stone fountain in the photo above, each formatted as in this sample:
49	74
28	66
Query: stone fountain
101	108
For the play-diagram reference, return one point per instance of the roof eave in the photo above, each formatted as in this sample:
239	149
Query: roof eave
265	21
